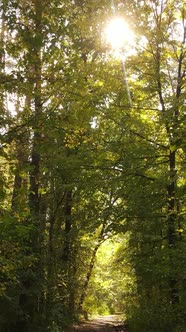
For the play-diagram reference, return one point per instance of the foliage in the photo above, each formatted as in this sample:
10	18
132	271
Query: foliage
92	190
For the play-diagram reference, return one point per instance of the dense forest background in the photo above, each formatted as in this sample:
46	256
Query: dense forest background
92	187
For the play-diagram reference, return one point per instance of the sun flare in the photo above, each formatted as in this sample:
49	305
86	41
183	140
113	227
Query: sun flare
118	33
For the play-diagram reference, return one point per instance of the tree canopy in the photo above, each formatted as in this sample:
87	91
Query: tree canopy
92	158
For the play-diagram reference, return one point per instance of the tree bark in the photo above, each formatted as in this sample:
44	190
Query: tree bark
19	195
90	268
37	302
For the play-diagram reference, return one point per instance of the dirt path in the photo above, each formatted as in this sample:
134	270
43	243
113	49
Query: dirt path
101	324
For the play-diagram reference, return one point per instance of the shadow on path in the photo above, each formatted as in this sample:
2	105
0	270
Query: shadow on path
110	323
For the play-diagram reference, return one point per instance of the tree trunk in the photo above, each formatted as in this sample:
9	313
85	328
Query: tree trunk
90	268
68	225
69	261
34	196
20	188
172	219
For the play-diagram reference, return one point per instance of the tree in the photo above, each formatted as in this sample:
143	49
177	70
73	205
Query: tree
156	159
81	164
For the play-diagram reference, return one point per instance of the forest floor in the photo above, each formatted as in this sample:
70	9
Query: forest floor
112	323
